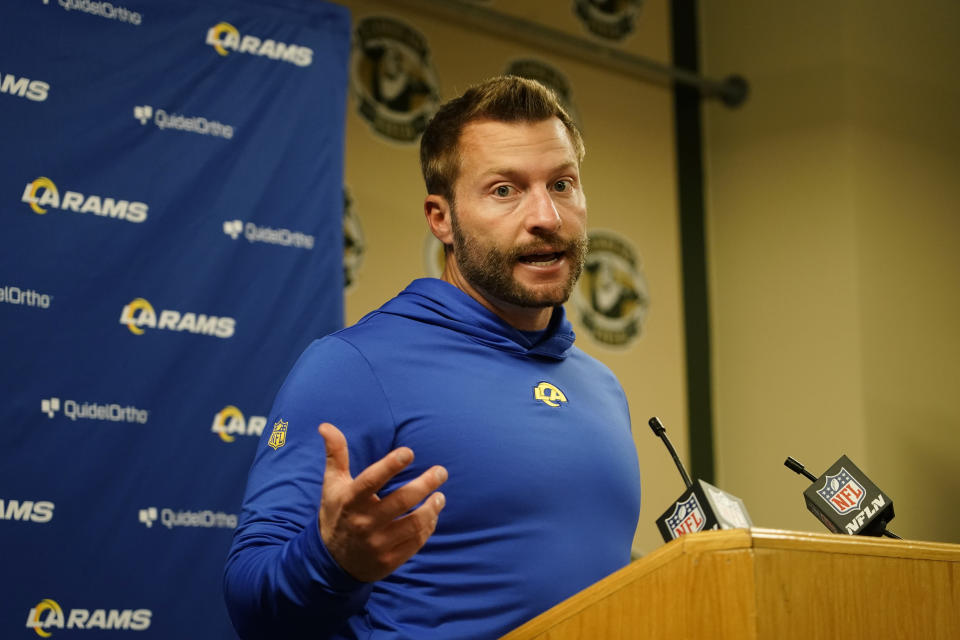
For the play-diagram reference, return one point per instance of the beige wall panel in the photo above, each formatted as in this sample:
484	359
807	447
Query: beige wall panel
783	279
629	177
832	208
650	35
907	146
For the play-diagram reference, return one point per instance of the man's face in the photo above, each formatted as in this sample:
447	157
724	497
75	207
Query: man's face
519	219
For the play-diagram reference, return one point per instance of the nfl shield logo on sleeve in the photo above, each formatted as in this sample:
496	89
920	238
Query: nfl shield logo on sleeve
278	437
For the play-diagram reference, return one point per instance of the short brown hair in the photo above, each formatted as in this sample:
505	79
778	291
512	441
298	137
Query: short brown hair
501	99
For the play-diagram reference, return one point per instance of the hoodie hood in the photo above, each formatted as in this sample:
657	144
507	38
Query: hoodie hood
440	303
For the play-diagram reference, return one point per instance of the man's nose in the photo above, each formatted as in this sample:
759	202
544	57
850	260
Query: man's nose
541	213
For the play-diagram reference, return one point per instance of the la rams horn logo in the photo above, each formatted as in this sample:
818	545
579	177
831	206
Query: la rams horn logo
36	185
221	32
132	313
548	394
611	296
393	78
38	621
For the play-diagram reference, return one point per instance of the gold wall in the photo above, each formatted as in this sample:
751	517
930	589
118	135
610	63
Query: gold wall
833	210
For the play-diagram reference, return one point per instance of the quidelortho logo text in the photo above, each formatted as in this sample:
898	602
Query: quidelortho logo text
40	511
225	38
204	519
78	410
36	90
179	122
269	235
47	616
102	9
42	195
230	422
139	315
25	297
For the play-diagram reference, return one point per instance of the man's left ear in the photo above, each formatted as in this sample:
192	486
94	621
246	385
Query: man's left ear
439	218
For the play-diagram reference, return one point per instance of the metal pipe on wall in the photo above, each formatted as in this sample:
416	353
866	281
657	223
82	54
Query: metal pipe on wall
732	90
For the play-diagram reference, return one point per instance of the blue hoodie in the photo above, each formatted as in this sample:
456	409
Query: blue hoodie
543	494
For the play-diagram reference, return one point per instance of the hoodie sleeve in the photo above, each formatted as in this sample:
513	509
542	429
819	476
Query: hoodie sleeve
280	580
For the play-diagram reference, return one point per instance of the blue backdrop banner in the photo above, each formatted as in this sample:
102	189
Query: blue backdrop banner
171	198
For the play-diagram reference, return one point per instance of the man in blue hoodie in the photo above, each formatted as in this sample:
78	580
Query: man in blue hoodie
344	533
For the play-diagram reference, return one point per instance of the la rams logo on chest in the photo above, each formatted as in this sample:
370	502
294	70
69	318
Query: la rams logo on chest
549	394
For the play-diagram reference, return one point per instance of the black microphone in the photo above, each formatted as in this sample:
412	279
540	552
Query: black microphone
702	506
845	500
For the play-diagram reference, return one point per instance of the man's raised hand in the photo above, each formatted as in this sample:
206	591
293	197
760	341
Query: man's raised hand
367	535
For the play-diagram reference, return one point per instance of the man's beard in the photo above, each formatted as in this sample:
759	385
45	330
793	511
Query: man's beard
490	269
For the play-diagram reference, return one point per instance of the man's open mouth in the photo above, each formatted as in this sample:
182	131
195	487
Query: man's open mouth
541	259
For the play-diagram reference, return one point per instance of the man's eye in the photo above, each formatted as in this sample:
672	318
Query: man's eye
503	191
561	185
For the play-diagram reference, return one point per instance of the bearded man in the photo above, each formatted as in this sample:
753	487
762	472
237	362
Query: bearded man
476	373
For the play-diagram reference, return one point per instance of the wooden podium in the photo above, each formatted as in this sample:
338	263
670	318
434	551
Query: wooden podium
764	584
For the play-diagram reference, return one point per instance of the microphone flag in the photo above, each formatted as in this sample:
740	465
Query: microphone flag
846	501
700	508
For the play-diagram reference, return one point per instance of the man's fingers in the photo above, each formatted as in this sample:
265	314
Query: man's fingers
338	457
372	479
412	531
404	498
368	536
392	545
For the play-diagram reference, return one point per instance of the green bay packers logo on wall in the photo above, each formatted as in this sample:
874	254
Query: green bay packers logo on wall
393	78
354	245
547	75
610	19
548	394
612	297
